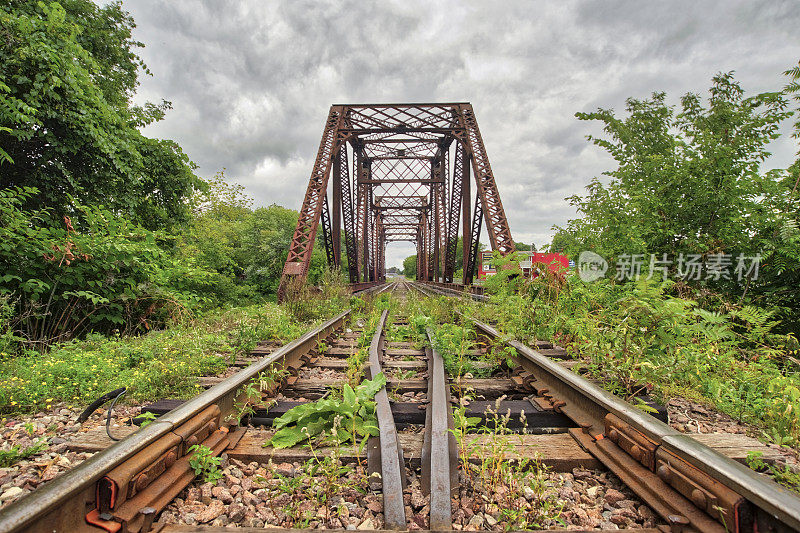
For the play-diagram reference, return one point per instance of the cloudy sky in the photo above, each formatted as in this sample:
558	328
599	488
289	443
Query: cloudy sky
251	81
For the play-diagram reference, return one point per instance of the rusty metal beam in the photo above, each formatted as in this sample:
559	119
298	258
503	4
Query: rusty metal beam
460	175
472	245
336	218
327	233
496	222
347	213
401	153
299	257
422	181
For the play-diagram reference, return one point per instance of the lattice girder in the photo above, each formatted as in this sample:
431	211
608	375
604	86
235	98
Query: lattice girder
399	190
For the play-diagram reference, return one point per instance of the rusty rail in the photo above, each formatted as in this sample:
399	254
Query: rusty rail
62	504
693	487
392	462
451	289
364	286
439	451
458	287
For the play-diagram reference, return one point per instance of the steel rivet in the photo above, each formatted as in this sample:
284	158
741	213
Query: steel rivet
636	452
664	472
170	459
191	441
149	514
613	435
142	481
677	523
212	426
699	498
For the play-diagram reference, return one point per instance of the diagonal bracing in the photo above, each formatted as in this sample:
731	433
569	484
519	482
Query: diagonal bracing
404	159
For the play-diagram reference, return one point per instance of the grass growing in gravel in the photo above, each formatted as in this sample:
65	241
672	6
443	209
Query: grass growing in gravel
156	365
515	491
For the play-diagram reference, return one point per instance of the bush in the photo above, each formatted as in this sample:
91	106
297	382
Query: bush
103	274
159	364
638	336
245	246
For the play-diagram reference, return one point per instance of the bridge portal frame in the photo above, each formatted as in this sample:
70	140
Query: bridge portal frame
400	159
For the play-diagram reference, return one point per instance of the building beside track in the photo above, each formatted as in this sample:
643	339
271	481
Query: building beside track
531	264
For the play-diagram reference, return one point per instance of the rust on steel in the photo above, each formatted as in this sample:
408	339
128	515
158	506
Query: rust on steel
299	257
391	453
440	451
393	166
118	488
693	487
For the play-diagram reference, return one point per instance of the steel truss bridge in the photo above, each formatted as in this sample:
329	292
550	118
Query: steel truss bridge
400	172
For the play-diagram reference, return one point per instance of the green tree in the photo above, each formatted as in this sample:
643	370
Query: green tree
689	182
692	181
246	246
100	274
779	241
410	266
68	71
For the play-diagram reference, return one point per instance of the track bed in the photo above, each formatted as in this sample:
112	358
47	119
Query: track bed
523	445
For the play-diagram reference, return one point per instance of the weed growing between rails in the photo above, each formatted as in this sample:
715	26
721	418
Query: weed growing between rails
307	303
323	492
367	314
346	418
510	493
639	336
348	412
10	455
453	339
783	474
251	394
335	475
204	463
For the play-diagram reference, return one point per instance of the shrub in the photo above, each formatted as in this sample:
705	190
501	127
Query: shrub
102	274
637	336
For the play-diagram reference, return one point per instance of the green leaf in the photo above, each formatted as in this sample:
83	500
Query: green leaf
349	395
368	388
286	438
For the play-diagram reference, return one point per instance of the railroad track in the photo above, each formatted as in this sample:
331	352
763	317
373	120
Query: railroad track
538	411
692	486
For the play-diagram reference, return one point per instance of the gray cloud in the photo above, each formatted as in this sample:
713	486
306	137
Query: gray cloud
251	82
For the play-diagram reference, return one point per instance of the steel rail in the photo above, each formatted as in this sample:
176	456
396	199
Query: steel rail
392	463
63	502
429	289
365	287
440	453
777	508
589	406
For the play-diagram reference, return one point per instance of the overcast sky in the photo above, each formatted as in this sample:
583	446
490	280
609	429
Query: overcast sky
251	81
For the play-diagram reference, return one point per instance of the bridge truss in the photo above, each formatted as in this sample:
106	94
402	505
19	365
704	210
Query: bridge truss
400	172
